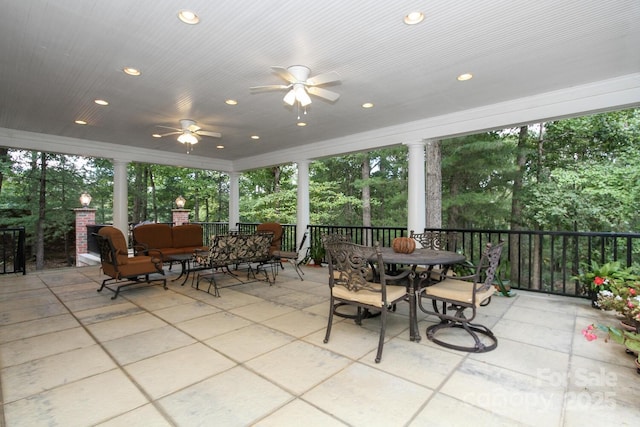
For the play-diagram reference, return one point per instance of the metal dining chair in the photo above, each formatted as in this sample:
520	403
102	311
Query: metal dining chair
460	294
350	283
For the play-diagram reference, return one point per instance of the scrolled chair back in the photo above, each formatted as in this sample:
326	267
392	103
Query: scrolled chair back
350	265
438	240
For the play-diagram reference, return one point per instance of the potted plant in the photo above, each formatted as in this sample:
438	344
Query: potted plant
631	340
624	298
317	251
602	277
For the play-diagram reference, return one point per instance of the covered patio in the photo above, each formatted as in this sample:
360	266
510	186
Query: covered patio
72	356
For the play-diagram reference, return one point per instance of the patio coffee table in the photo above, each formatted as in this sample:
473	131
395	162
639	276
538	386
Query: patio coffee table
185	263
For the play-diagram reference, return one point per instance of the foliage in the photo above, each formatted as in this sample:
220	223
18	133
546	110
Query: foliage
598	277
581	177
477	172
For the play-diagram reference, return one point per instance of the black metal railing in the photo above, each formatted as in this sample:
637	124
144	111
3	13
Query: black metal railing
12	250
541	261
548	261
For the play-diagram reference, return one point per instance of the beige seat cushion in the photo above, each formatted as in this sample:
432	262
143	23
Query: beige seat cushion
372	298
457	290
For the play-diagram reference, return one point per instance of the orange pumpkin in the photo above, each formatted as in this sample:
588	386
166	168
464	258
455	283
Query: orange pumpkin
403	245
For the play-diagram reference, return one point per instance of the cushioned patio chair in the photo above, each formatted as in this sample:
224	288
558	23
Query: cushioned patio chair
122	269
276	244
437	240
350	283
460	294
292	257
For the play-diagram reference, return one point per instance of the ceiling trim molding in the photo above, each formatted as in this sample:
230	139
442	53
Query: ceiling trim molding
81	147
619	93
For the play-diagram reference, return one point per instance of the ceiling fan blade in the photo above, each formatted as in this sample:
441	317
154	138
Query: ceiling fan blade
194	128
324	93
284	74
170	133
207	133
322	79
268	88
169	127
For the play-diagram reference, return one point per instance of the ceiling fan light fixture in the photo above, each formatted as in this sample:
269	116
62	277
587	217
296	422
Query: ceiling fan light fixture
301	95
188	138
290	97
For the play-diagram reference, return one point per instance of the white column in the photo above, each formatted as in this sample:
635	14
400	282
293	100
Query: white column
416	212
120	197
234	199
302	212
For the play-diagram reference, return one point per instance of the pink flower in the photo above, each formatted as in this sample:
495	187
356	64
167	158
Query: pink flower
598	281
590	336
632	291
630	304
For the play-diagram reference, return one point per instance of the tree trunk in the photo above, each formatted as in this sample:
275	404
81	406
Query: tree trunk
366	192
366	195
42	205
535	268
149	174
516	203
196	199
276	186
137	195
433	185
4	160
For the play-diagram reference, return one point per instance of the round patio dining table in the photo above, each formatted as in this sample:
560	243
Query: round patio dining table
420	256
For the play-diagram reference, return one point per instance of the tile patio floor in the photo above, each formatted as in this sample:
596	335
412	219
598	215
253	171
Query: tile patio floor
70	356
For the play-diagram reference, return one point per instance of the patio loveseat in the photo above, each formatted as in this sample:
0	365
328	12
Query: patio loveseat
233	250
165	241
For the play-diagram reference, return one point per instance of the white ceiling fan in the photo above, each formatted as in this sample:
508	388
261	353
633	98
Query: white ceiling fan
300	85
190	133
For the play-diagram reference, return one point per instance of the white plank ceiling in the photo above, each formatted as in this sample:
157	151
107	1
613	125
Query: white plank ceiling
58	56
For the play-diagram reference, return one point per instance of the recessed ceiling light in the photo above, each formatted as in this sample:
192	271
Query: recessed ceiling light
101	102
131	71
80	122
465	77
367	105
156	135
301	124
414	18
231	102
188	17
220	147
255	137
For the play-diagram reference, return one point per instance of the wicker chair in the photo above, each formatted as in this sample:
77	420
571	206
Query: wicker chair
350	283
460	294
122	269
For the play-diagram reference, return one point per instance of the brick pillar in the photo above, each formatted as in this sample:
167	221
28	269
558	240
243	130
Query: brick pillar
180	216
84	216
